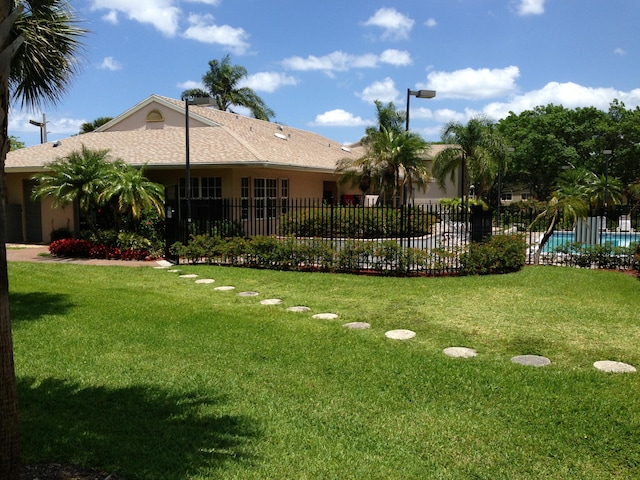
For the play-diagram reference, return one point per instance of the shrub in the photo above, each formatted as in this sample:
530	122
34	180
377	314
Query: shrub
71	247
500	254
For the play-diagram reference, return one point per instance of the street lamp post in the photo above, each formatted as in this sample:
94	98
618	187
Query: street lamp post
202	101
43	127
417	94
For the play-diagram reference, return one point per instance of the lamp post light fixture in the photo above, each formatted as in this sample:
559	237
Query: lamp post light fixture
417	94
43	127
202	101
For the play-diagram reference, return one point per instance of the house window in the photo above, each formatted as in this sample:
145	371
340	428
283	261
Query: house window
265	195
506	196
211	187
205	187
244	197
525	196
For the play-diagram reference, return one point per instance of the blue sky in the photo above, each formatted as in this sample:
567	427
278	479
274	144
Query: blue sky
320	64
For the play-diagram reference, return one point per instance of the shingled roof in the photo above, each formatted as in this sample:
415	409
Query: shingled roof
216	138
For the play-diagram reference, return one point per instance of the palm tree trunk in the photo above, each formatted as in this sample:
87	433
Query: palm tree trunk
543	241
9	427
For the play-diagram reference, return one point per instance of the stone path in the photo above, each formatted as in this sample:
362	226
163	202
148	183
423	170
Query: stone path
608	366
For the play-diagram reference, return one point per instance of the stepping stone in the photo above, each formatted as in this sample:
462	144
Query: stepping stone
205	280
225	288
400	334
159	268
164	263
357	325
271	301
173	271
614	367
460	352
248	294
189	275
325	316
531	360
298	309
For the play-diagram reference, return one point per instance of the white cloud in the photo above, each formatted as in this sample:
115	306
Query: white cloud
110	63
162	14
339	118
620	52
396	57
470	84
19	122
431	22
394	24
570	95
268	81
530	7
190	85
339	61
203	29
111	17
213	3
385	91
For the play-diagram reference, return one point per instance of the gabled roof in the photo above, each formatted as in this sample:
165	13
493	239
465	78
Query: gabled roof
216	138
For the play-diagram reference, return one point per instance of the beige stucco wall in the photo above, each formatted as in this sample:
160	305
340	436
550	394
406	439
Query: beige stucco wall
138	120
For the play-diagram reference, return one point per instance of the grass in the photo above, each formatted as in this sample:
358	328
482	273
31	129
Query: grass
138	371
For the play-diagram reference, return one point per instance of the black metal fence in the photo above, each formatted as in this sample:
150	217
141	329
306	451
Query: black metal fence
435	234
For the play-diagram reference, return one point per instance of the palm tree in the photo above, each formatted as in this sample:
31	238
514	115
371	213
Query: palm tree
87	127
569	201
78	177
221	82
393	158
39	44
132	191
476	150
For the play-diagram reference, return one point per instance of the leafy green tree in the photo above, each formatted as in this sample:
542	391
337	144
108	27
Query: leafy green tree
15	143
31	74
475	148
221	83
97	123
552	138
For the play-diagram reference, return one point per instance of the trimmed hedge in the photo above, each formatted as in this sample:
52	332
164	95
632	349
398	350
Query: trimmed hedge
291	253
356	222
500	254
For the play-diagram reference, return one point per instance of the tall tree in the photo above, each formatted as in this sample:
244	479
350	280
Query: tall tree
32	74
222	83
475	148
393	158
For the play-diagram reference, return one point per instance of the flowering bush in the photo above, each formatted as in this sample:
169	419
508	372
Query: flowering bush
72	247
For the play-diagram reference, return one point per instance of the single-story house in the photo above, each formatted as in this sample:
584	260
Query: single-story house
230	156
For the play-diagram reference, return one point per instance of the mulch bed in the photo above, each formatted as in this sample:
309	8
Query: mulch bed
56	471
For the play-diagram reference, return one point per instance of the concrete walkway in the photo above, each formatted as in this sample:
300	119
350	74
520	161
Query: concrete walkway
40	254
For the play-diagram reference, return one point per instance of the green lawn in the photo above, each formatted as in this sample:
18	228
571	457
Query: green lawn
149	375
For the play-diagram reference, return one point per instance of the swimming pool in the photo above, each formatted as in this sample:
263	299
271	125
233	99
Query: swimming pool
616	239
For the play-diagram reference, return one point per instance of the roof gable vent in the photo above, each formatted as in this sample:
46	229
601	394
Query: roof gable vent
155	116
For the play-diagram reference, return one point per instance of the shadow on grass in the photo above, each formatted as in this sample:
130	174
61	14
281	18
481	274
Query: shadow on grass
34	305
138	432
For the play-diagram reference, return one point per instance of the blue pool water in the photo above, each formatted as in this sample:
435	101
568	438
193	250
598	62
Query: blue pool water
623	239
